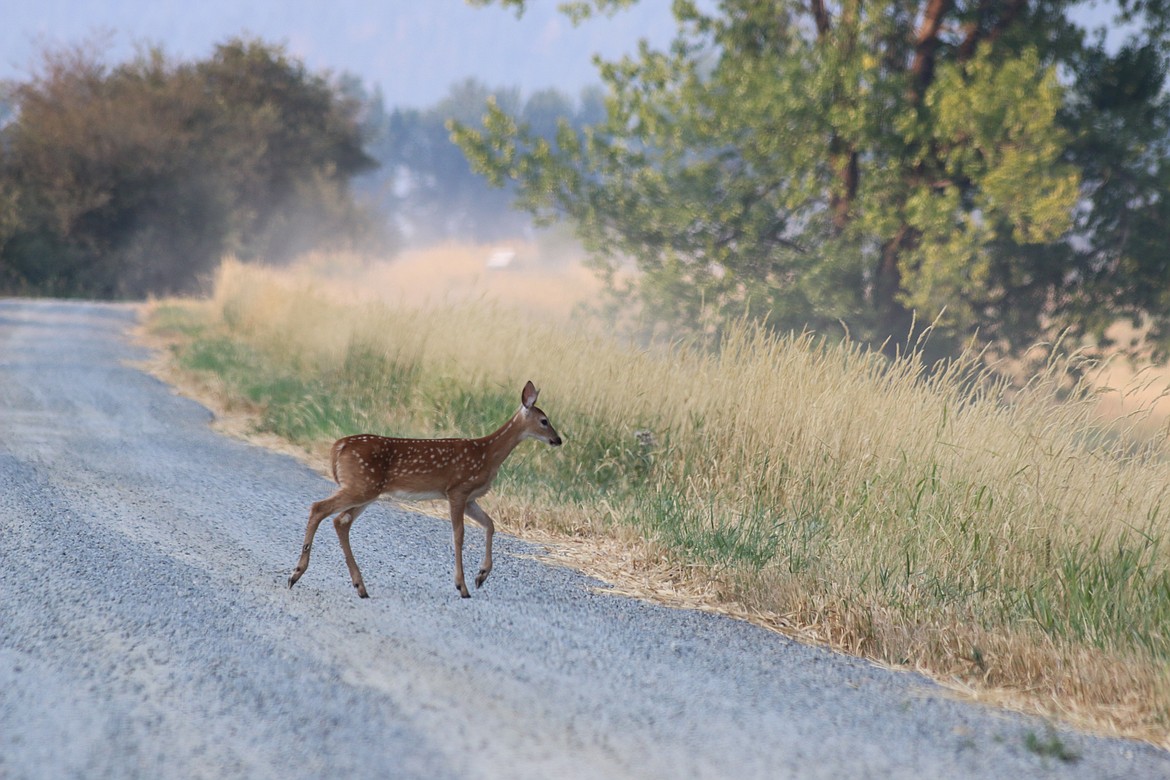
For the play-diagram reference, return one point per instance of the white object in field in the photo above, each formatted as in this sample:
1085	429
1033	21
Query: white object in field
501	258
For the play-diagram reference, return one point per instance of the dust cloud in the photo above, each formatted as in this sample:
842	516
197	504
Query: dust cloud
522	275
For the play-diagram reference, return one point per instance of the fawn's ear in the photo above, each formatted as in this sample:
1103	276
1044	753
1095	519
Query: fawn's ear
528	395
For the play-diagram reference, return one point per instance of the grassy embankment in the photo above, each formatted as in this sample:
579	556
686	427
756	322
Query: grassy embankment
1000	541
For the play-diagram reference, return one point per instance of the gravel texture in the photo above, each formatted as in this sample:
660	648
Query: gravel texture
146	630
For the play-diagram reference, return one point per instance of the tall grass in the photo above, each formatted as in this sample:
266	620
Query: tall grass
992	535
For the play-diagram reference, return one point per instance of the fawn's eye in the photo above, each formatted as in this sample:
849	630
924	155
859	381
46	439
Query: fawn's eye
544	423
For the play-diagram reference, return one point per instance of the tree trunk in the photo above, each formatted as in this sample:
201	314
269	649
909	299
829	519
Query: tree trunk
895	318
925	46
843	157
845	164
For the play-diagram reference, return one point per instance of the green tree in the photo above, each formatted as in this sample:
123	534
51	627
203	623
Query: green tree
965	162
126	180
289	141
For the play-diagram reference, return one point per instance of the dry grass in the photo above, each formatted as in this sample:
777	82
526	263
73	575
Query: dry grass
1005	543
455	274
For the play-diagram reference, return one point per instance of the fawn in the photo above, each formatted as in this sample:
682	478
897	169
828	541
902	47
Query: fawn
460	470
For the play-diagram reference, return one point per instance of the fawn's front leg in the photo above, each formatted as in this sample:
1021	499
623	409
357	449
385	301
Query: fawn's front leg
342	523
319	511
457	507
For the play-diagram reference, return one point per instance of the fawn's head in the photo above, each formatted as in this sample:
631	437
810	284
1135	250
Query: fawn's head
533	418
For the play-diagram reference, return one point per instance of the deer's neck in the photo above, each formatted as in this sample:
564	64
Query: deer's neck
505	438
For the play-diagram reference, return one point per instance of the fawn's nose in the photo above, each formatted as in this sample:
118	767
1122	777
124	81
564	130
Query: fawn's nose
556	441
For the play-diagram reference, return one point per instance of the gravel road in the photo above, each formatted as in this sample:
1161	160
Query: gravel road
146	630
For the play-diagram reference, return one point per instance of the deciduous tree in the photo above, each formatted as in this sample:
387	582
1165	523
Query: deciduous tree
983	164
124	180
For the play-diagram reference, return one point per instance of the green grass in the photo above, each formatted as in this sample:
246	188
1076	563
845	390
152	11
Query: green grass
1050	745
720	536
301	406
1107	595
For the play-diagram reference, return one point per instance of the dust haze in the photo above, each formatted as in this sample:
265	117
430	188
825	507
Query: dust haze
543	277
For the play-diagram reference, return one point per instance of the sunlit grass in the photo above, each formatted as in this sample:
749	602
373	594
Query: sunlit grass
943	520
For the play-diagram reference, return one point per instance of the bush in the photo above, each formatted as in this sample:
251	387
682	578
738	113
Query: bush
126	181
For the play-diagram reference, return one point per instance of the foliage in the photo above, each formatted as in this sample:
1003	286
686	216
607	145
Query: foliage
980	164
134	179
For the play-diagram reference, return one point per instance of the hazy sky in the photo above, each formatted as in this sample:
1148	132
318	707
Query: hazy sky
413	49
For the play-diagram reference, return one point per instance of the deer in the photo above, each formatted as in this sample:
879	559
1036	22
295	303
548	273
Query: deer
366	467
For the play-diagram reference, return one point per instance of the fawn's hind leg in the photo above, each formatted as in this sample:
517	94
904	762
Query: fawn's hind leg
320	510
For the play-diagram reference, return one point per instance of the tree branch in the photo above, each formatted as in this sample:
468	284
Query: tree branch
925	45
821	15
977	32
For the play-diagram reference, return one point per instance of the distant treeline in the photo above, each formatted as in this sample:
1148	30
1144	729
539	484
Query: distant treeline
135	179
425	181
